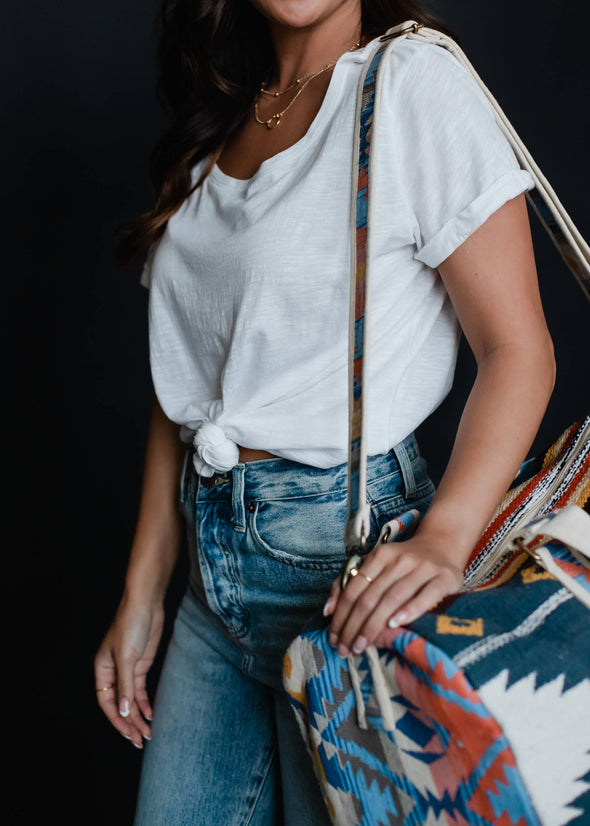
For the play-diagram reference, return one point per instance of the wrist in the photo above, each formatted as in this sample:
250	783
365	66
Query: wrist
143	596
447	540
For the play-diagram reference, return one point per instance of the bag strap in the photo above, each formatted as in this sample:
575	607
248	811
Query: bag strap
553	216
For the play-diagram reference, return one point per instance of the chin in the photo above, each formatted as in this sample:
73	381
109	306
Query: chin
297	14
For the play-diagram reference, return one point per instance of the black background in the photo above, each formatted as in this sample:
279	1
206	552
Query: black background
78	95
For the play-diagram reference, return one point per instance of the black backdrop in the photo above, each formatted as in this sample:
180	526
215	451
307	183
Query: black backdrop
78	95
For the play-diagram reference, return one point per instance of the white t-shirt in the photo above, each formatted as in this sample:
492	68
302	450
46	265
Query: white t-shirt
248	309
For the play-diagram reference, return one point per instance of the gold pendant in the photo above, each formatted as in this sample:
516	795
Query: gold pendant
276	119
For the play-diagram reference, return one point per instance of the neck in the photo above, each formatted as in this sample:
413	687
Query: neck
306	49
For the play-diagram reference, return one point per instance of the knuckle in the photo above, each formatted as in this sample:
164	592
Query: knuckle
383	553
404	564
448	580
395	593
429	567
367	601
346	598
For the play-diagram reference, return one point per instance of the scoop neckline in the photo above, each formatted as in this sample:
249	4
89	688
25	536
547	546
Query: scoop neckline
280	158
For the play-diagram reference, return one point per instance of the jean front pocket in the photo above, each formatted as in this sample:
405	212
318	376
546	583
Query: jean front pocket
387	497
305	531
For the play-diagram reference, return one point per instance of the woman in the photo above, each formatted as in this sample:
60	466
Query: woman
248	276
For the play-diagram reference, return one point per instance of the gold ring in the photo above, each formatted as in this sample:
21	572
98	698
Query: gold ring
357	571
105	688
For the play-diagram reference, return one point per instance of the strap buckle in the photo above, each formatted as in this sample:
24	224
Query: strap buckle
533	550
412	27
353	561
354	551
356	531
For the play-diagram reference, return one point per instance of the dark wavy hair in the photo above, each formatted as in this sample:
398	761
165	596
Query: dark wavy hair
213	56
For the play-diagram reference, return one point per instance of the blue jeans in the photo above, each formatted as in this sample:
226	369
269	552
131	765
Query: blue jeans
265	544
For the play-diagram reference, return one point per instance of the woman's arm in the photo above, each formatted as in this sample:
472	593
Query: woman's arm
492	281
159	524
128	649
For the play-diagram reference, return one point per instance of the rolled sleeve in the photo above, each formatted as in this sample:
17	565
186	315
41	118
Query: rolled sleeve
457	166
462	225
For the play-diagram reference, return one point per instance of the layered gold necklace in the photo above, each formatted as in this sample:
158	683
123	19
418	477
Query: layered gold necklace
301	82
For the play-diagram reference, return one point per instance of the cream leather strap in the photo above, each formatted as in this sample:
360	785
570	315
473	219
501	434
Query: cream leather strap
555	219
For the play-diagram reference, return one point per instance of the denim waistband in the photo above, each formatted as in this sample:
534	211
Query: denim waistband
282	478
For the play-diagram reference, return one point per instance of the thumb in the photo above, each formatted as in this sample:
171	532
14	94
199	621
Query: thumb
330	605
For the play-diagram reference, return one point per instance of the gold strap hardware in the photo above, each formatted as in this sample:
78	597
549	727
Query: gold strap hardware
532	551
352	564
412	28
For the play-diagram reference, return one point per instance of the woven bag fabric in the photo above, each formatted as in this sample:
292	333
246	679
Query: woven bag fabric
479	712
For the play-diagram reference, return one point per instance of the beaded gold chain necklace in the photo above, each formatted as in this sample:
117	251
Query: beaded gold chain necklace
275	119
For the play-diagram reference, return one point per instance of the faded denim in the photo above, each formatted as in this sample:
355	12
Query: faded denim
265	543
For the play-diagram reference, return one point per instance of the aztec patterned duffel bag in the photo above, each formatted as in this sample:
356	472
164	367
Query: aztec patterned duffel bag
479	713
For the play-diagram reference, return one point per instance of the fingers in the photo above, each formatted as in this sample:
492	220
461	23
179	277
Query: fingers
362	596
373	609
141	698
394	609
115	695
403	586
425	599
339	600
128	707
335	591
105	675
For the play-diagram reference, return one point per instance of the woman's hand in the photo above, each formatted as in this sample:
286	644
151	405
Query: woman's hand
407	579
122	662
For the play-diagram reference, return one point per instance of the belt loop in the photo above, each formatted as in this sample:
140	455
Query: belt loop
405	466
237	499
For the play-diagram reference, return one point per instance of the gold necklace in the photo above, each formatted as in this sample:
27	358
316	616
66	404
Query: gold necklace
275	119
297	80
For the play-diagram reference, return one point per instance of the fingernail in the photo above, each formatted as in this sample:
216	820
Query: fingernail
396	621
359	645
342	650
138	745
124	707
147	737
127	737
149	717
333	640
327	607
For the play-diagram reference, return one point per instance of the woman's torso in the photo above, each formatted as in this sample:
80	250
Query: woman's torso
250	282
